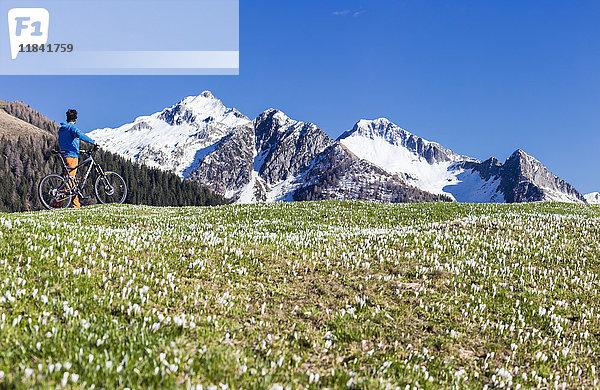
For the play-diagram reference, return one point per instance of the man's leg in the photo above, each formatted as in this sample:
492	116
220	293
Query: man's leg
72	163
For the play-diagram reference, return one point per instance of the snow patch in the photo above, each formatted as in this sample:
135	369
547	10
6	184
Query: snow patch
398	159
593	198
471	188
557	196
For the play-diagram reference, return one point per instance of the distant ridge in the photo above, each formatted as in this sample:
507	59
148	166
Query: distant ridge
433	168
271	158
274	157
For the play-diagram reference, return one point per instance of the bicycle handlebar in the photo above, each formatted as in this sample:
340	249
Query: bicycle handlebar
90	151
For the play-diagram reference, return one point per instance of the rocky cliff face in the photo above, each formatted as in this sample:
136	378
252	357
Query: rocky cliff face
285	146
525	179
228	166
336	173
522	178
487	169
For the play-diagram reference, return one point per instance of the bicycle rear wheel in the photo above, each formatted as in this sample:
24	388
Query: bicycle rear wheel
54	192
110	188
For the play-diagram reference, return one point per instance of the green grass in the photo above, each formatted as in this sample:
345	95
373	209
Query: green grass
302	295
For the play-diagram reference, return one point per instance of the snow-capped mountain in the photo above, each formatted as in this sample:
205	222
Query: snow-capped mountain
337	173
275	158
433	168
175	139
426	165
593	198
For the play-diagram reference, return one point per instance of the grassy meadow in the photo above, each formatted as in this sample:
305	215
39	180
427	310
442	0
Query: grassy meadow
302	295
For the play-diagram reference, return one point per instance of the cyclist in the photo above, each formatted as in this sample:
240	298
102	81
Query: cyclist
68	139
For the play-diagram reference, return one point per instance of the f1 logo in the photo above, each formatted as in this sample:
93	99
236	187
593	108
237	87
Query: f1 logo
27	26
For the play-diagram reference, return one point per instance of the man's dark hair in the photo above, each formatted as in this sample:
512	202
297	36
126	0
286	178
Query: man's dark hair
71	115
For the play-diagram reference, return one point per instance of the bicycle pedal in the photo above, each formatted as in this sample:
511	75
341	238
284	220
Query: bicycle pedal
86	197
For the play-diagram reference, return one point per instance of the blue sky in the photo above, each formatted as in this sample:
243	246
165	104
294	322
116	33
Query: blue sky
480	77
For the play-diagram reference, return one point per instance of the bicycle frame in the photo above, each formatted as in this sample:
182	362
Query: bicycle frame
90	160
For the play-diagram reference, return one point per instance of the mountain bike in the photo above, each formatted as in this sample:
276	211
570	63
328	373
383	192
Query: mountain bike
57	191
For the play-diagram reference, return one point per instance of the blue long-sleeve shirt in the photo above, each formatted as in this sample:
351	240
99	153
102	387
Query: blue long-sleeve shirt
68	139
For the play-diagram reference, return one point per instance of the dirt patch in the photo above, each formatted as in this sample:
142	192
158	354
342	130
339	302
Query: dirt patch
409	286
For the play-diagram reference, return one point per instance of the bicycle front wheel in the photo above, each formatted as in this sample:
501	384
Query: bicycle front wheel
54	192
110	188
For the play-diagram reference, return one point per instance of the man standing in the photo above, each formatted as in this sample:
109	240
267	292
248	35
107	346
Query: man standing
68	139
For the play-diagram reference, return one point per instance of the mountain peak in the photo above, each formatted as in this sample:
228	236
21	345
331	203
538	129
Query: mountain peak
374	122
277	117
204	100
273	112
201	138
175	138
527	179
522	156
204	95
202	108
380	127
